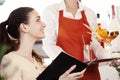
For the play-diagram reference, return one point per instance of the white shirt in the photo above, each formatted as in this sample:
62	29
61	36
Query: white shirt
51	17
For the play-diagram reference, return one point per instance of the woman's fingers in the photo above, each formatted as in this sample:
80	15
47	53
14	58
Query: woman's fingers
72	76
78	74
70	69
83	71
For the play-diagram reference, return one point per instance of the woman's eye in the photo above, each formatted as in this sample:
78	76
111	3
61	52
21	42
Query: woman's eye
38	20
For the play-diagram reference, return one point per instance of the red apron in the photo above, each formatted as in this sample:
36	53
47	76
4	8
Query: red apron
70	40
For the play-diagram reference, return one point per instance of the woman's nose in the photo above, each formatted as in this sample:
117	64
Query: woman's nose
43	24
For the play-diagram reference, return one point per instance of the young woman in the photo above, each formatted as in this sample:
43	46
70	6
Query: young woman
19	33
65	31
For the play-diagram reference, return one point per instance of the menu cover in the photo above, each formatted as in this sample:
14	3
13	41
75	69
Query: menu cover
61	64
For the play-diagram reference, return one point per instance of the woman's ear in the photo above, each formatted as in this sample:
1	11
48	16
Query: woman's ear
24	27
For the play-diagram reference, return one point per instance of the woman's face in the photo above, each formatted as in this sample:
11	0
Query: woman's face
35	25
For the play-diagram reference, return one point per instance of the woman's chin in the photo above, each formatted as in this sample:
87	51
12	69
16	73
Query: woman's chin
41	37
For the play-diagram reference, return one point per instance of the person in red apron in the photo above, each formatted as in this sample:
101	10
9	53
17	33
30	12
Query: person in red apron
65	32
70	39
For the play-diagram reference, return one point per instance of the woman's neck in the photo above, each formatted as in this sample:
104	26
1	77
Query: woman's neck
26	47
72	6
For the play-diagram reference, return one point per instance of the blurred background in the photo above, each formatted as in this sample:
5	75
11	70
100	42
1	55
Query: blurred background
103	7
99	6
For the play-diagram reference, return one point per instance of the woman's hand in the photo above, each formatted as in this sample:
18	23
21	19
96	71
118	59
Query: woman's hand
72	76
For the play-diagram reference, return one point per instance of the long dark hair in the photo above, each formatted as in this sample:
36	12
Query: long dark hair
9	29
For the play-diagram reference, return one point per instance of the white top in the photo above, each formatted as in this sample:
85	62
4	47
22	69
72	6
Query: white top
16	67
51	17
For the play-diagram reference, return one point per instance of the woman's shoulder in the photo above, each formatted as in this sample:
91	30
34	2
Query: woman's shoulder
89	12
11	57
87	9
